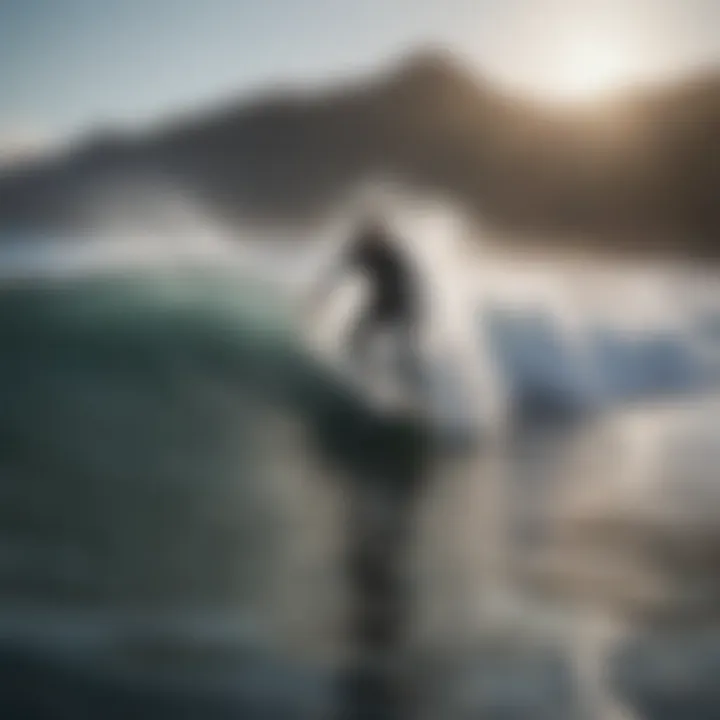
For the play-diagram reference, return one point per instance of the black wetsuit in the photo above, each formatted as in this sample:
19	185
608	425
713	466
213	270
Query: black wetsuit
394	301
393	292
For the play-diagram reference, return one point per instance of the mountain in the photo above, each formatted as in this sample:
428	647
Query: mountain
639	172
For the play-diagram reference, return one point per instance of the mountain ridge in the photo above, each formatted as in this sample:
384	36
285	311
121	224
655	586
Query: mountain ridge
638	173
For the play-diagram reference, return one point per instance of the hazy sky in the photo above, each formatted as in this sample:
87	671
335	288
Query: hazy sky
70	64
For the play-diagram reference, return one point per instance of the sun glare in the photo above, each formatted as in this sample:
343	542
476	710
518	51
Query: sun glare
590	70
577	52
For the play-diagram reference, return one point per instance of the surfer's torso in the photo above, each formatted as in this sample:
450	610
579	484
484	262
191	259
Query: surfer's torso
392	284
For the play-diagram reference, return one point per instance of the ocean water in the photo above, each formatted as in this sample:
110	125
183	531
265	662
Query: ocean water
172	535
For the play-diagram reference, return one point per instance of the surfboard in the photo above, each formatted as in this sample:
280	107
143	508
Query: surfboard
388	395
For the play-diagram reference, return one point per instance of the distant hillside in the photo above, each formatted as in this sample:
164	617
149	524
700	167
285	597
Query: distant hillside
640	172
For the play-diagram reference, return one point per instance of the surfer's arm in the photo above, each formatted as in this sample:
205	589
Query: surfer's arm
329	278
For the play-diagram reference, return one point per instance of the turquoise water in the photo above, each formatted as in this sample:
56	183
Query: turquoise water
128	426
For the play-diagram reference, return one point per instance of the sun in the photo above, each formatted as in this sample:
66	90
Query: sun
582	51
590	69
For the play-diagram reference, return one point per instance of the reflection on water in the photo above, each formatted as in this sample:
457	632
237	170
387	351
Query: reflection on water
167	526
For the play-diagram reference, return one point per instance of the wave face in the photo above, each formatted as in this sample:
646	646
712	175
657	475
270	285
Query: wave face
126	434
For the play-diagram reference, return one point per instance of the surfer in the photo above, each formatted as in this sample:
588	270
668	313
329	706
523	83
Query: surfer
394	298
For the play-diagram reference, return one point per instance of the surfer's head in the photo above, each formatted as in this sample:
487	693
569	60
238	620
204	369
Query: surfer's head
372	225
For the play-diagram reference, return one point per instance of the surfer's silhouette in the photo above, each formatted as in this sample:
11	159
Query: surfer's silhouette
394	300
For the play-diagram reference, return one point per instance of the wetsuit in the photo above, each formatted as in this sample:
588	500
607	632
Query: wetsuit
392	287
394	300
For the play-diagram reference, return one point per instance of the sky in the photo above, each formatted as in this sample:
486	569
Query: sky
68	66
